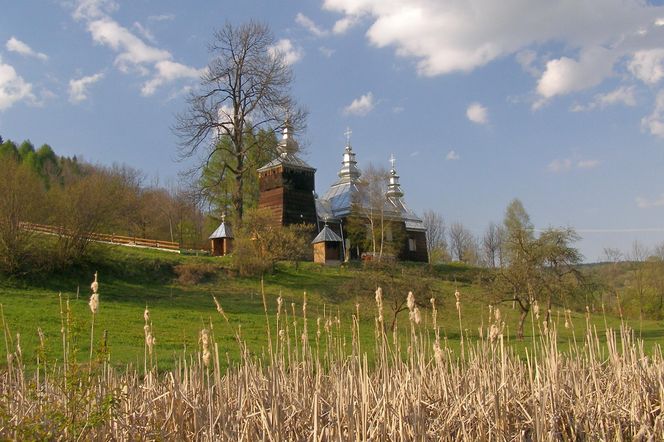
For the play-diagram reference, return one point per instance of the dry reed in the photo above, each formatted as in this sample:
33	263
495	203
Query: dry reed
323	389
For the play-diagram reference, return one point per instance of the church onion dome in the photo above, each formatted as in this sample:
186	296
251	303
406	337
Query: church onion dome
287	145
393	186
287	148
349	171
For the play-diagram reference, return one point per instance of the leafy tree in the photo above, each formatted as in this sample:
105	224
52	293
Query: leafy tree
638	257
559	275
247	84
534	267
81	208
8	149
217	183
26	148
21	197
371	226
258	245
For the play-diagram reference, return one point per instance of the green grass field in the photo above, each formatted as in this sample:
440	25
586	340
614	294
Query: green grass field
131	278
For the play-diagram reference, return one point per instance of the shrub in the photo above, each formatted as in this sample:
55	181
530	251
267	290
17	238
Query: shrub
194	273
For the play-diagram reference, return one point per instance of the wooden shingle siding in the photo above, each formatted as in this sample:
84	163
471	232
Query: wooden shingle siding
288	194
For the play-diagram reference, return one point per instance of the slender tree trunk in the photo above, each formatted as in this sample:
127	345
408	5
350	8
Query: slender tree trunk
522	322
238	200
382	235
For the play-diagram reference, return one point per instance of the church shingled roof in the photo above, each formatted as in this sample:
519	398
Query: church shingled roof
223	231
287	159
337	202
288	149
326	235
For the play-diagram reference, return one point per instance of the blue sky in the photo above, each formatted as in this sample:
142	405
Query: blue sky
558	103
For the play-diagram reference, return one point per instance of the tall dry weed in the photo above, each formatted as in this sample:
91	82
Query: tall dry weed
323	387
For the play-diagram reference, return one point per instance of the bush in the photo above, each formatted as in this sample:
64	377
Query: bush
194	273
259	244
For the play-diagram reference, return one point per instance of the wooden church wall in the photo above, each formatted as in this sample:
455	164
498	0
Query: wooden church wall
288	195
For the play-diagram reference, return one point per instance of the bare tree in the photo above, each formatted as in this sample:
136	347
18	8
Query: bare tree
492	244
368	224
638	257
436	235
246	86
462	242
658	251
614	257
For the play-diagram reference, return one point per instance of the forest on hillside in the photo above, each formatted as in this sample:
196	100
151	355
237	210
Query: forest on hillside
39	186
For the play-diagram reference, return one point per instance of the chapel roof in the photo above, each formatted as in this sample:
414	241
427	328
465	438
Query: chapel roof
223	231
338	200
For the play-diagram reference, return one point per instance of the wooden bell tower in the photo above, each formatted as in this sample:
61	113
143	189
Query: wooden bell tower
287	185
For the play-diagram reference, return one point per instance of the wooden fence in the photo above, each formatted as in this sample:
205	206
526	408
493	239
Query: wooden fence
103	237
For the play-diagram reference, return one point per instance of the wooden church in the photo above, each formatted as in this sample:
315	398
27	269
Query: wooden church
287	190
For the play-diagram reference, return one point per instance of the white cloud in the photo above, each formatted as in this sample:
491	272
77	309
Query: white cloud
452	156
623	95
557	166
567	164
527	59
327	52
587	164
646	203
162	17
343	25
91	9
133	52
145	32
309	25
13	88
654	123
477	113
286	48
648	65
361	106
78	89
16	45
565	75
168	71
134	55
457	35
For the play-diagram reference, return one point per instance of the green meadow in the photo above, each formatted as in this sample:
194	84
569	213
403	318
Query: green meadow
131	279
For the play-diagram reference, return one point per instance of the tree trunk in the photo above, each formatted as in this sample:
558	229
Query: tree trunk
522	323
238	198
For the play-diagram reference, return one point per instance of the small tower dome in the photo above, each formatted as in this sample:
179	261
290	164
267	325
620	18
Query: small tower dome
393	186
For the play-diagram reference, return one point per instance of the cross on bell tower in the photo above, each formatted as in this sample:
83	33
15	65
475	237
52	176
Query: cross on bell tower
393	186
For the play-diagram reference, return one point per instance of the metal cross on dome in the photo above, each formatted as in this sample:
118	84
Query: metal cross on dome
348	133
392	160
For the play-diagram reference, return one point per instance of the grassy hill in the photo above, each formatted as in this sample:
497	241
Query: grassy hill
132	278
